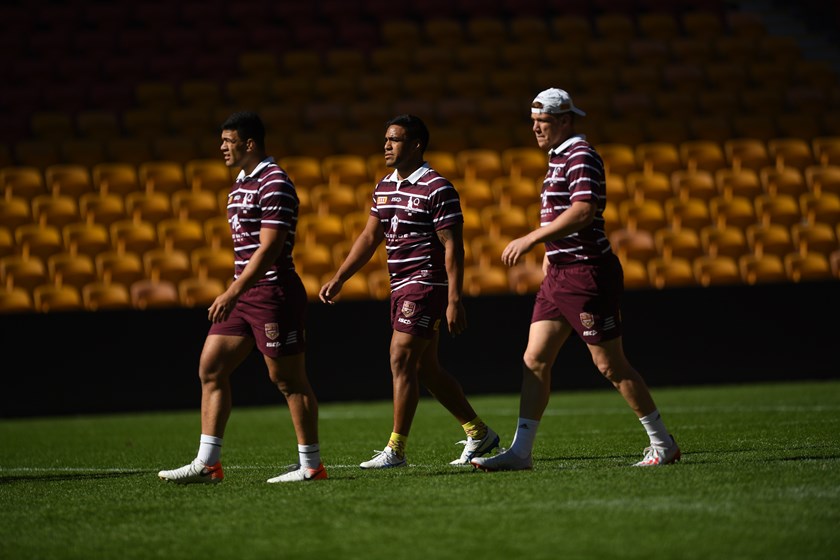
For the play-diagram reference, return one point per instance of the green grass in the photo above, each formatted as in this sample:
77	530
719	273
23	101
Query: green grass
760	478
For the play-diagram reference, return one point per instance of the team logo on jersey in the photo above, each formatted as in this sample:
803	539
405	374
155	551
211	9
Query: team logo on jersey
381	199
413	203
394	222
272	330
587	320
409	308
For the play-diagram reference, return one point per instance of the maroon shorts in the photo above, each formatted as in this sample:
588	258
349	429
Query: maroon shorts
273	315
587	296
416	309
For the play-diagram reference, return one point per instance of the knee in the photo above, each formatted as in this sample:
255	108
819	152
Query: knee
535	363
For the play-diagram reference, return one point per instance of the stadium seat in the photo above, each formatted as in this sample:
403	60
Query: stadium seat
719	270
22	181
15	300
486	280
692	213
314	259
146	294
512	222
73	270
170	265
217	232
743	183
648	215
82	238
208	262
824	208
670	273
348	169
703	155
769	239
826	150
98	296
779	209
487	251
763	269
816	237
531	163
485	164
684	244
101	208
649	185
68	179
51	298
305	171
525	278
199	292
320	229
785	181
148	206
132	150
823	179
790	152
619	159
55	210
119	267
636	245
161	176
38	240
698	184
520	192
23	272
181	234
133	236
810	267
195	205
746	152
15	211
724	241
7	242
115	178
98	125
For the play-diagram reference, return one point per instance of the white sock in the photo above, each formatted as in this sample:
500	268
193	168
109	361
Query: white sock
209	449
309	455
656	430
523	441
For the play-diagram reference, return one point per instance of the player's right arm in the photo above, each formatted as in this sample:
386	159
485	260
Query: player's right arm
360	253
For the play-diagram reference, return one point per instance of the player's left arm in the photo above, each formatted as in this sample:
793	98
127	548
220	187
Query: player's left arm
452	239
272	244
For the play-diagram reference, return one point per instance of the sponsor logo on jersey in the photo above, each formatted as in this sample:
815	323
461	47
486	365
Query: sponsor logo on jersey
590	333
381	199
587	320
272	330
409	308
404	321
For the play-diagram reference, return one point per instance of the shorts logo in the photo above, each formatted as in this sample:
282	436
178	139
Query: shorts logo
436	325
381	199
272	330
409	308
587	320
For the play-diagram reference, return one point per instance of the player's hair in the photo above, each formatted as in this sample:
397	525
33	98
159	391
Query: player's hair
414	127
248	125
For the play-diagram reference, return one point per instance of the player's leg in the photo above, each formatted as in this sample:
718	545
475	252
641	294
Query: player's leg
219	358
611	361
406	352
545	339
288	373
448	391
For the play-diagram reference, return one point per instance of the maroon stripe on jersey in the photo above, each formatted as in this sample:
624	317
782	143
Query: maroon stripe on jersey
411	211
265	199
575	172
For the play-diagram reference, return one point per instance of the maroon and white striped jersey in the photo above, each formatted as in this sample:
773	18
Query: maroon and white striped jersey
410	212
575	172
264	199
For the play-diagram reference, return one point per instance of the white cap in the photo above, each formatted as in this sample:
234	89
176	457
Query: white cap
555	101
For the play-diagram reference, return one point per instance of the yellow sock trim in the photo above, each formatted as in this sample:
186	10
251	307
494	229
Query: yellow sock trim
475	428
397	443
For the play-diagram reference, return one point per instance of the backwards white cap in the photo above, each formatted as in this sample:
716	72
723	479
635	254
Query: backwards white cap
555	101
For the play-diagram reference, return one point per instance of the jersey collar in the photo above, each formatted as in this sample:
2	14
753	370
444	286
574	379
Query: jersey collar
567	144
267	161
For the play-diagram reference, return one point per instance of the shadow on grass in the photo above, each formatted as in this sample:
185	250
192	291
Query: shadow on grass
53	477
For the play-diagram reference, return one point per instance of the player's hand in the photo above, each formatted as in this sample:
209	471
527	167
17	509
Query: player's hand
456	318
329	291
221	308
515	250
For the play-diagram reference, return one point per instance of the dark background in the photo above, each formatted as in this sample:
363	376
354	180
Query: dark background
119	361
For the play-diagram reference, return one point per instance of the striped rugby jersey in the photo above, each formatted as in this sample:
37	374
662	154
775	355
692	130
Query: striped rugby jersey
410	212
575	172
264	199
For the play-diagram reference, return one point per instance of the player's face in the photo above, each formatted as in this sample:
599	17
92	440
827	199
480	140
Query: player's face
398	148
548	129
234	149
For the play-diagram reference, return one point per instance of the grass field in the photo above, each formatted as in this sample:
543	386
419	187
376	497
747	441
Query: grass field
760	478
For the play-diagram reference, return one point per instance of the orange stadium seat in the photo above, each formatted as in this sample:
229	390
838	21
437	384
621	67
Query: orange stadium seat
779	209
23	272
55	210
115	178
649	185
697	184
181	234
759	270
72	270
486	280
725	241
162	176
7	242
720	270
684	244
50	298
772	239
670	273
119	267
146	294
691	213
787	181
99	296
22	181
170	265
824	208
195	205
814	237
196	292
68	179
15	300
38	240
101	208
148	206
810	267
743	183
85	238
